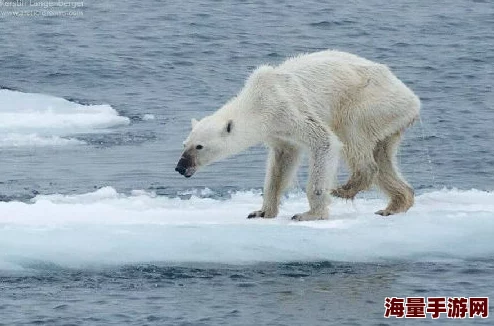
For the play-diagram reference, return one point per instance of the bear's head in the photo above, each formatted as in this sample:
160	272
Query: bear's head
242	122
210	140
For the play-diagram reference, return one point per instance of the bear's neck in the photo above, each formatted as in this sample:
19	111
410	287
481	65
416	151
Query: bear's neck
246	124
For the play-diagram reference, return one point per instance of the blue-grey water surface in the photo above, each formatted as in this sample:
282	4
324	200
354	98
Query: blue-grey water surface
183	59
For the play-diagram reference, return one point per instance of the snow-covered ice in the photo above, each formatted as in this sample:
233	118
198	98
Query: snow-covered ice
106	227
35	120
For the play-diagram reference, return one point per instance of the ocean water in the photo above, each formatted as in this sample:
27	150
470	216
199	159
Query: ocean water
96	227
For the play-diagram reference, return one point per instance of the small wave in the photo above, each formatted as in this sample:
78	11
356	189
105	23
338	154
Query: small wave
110	139
325	23
35	140
143	227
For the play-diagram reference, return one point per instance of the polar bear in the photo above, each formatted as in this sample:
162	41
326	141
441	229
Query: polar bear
327	103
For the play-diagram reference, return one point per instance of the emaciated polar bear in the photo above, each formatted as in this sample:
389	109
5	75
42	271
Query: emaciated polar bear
326	102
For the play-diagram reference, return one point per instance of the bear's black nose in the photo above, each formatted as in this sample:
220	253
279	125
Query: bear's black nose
180	169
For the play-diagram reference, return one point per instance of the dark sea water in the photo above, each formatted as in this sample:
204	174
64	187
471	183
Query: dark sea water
321	293
161	63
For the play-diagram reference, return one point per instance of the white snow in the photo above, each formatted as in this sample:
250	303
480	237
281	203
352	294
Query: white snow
106	227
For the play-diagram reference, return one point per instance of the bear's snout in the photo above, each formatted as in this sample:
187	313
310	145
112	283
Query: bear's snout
185	166
180	169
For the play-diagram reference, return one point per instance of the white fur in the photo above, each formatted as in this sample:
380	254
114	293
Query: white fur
325	102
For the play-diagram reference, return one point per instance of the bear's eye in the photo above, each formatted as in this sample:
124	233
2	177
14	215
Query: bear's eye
199	147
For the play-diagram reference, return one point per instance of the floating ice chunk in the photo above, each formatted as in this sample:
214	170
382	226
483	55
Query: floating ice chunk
105	227
28	119
148	117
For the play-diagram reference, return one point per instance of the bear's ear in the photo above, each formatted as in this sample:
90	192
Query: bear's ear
193	122
229	126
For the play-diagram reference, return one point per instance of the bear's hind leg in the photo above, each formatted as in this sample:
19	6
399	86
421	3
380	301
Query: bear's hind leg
283	161
363	167
389	178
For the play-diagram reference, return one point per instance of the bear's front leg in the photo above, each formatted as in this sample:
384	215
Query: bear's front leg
323	166
282	164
